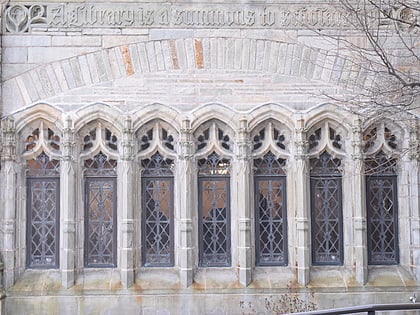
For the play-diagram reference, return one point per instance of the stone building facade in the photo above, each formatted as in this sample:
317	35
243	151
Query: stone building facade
178	158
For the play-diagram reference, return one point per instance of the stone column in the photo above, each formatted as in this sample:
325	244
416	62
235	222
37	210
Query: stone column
303	240
185	194
8	195
414	193
126	192
2	293
68	207
359	203
243	172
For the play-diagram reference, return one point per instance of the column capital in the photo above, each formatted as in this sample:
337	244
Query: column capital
414	140
127	143
243	141
301	143
357	139
186	143
68	139
9	139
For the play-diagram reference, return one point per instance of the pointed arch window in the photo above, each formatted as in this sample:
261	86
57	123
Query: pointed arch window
270	211
326	210
100	211
157	214
214	211
382	210
43	212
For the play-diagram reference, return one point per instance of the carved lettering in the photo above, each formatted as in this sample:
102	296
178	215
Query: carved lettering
20	18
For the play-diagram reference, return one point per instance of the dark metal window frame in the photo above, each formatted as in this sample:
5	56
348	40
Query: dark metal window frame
29	210
171	261
283	180
113	180
327	174
393	179
214	178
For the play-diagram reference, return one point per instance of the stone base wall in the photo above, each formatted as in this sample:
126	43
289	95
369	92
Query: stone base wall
188	302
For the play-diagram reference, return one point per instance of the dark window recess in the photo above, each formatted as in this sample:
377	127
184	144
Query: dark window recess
382	211
100	212
326	211
43	210
214	212
157	214
270	216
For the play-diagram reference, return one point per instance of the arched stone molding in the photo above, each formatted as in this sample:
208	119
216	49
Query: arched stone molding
183	55
331	112
278	112
207	112
156	111
99	111
37	112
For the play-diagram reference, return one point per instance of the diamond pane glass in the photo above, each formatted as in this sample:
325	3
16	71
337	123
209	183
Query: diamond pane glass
43	222
100	232
157	166
270	207
271	244
43	212
326	211
214	225
43	166
214	165
382	213
157	222
100	165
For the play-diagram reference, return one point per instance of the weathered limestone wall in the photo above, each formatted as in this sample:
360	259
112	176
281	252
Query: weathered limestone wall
187	62
130	54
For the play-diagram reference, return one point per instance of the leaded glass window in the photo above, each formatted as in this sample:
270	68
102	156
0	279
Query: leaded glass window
214	211
382	210
100	212
326	210
157	215
43	211
270	206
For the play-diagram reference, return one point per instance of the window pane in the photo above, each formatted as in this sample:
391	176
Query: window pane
157	219
326	221
42	240
271	245
214	222
382	220
326	211
100	222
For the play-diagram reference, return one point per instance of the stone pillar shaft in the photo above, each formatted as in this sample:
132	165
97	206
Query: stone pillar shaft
359	201
244	202
8	196
185	192
68	207
303	239
126	206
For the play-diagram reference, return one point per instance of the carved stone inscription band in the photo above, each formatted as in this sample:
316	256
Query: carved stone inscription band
21	18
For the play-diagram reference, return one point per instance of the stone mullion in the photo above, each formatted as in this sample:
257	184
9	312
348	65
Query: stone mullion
243	179
185	195
414	214
126	206
303	240
8	191
359	205
68	207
